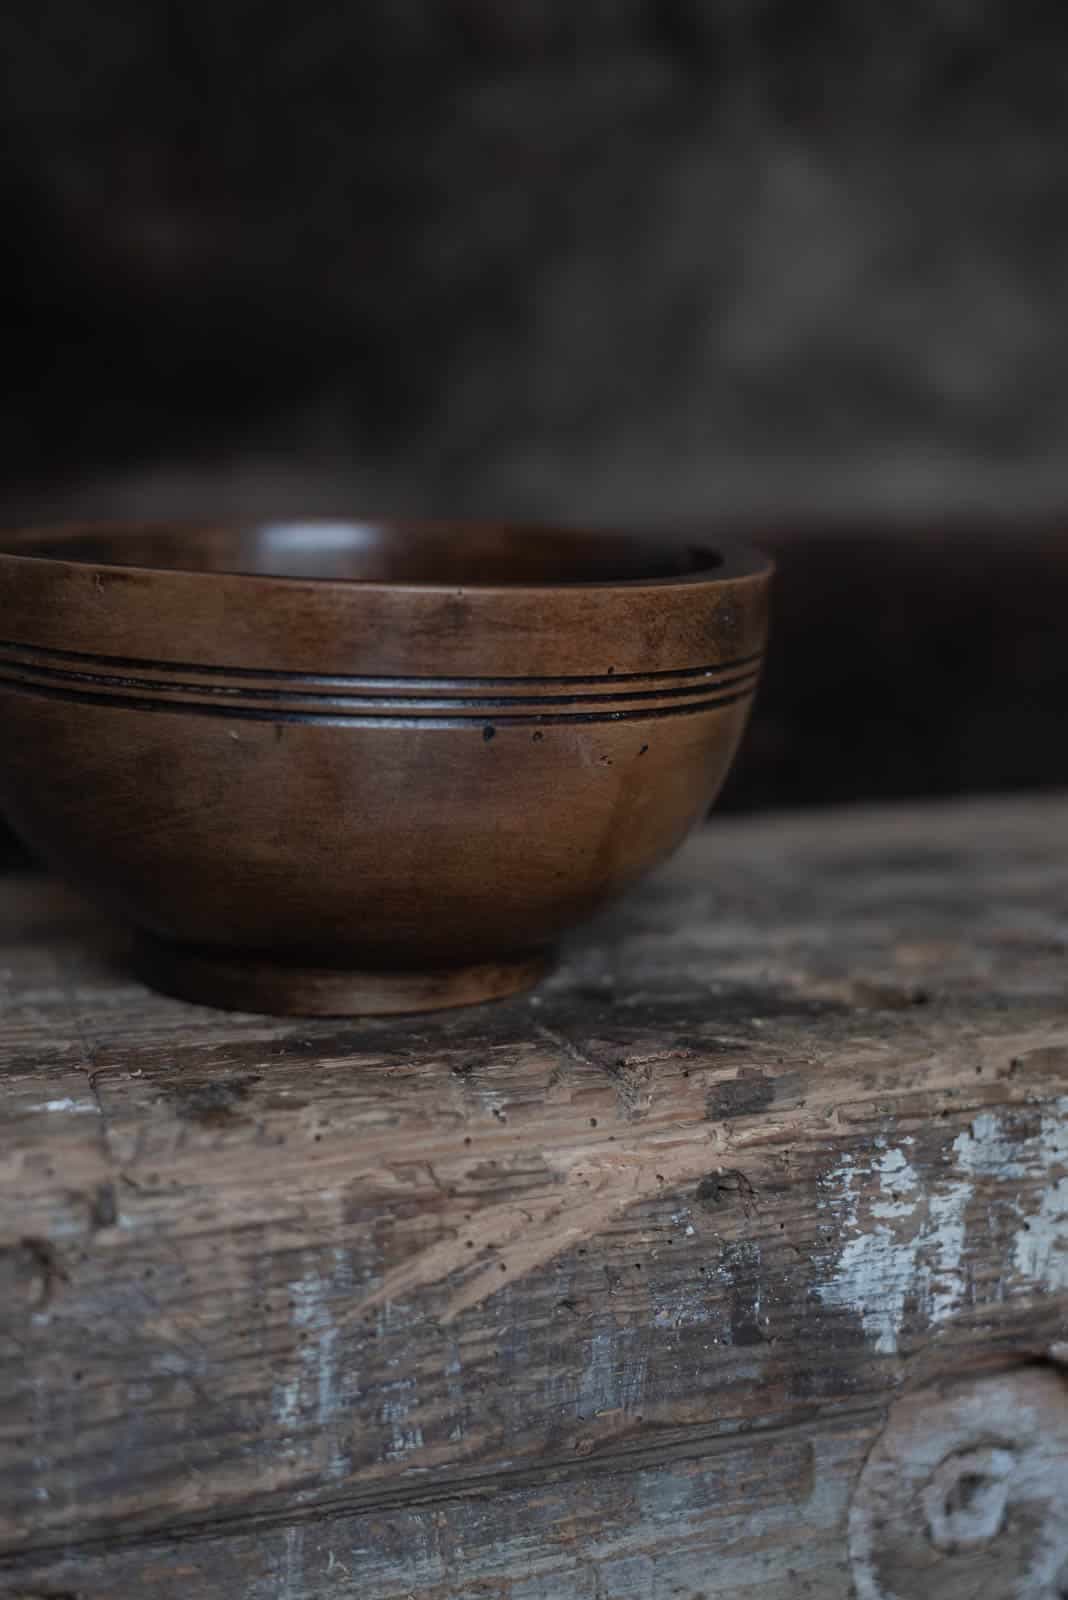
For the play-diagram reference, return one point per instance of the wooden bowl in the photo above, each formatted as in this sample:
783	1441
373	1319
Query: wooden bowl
347	767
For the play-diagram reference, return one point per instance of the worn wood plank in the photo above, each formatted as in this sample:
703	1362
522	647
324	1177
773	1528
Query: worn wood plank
713	1525
786	1135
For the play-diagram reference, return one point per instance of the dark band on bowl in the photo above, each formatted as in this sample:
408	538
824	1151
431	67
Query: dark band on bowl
404	701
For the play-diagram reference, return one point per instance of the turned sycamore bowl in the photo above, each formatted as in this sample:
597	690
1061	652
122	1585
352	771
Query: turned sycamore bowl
353	767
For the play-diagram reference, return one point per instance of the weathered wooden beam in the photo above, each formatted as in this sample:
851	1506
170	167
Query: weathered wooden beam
608	1290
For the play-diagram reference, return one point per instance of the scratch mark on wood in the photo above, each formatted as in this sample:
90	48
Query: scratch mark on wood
630	1074
589	1187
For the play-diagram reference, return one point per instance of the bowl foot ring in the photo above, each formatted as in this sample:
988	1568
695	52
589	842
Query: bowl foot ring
256	984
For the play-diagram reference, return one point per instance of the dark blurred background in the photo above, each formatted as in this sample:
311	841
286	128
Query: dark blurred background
794	268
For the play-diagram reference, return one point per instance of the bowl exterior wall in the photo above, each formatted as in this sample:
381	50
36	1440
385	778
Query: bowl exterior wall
366	774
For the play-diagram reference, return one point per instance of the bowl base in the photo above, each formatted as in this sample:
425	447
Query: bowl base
232	983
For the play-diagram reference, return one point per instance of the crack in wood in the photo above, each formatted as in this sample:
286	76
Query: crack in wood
701	1443
630	1075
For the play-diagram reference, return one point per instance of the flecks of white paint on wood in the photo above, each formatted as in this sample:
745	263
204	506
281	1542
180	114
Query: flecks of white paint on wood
1040	1249
406	1435
985	1149
980	1151
454	1388
613	1378
40	1412
684	1305
876	1267
313	1387
66	1104
946	1216
906	1241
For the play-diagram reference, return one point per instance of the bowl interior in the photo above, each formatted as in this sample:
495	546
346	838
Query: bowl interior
377	552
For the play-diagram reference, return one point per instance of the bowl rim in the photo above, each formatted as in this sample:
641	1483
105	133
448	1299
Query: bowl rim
740	561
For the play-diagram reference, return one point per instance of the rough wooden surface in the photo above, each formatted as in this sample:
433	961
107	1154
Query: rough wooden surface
604	1294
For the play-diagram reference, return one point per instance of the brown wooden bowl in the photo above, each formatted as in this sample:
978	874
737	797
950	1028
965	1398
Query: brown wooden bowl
364	767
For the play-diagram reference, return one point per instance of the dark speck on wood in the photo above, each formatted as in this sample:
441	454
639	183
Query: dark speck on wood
723	1188
742	1096
103	1207
211	1104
